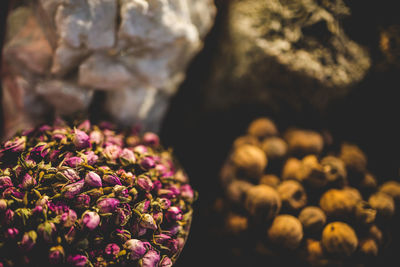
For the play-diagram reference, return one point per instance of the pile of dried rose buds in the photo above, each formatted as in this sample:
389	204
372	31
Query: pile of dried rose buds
91	196
300	194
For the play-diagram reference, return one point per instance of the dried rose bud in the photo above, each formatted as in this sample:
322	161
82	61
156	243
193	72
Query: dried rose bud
334	170
5	182
339	239
262	127
92	179
96	137
187	192
56	255
173	214
249	160
81	140
77	260
236	191
11	233
107	205
151	139
165	262
47	231
262	202
28	241
140	149
150	259
147	163
286	231
144	183
111	180
9	216
275	148
16	145
135	248
338	203
91	157
71	190
292	195
28	182
147	221
312	218
270	180
303	142
71	175
127	157
291	169
112	152
90	220
68	218
112	249
73	162
383	204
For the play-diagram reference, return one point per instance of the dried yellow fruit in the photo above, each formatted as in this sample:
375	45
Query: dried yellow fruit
383	203
292	195
274	148
250	161
338	203
312	218
339	238
262	202
286	231
262	127
303	142
291	169
270	179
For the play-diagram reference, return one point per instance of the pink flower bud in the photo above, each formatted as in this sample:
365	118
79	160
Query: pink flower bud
150	259
91	157
151	139
16	145
81	140
147	163
71	175
84	126
56	255
187	192
173	214
28	241
127	157
112	152
73	162
77	260
71	190
9	216
107	205
96	137
28	182
144	183
112	249
147	221
47	231
135	248
68	218
165	262
82	201
140	149
90	220
5	182
11	233
92	179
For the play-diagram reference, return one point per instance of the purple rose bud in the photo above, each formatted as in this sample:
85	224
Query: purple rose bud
56	255
112	152
173	214
3	205
165	203
150	259
5	182
143	206
107	205
73	162
91	157
158	216
43	202
68	218
28	182
39	152
47	231
82	201
71	175
122	235
53	158
147	163
127	157
11	233
37	210
187	192
151	139
12	192
77	260
28	241
90	220
175	229
165	262
140	149
157	185
147	221
135	248
81	140
144	183
16	145
59	137
9	216
112	249
71	190
162	238
111	179
92	179
84	126
96	137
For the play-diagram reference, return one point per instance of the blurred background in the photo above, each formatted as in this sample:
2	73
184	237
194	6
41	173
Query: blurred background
203	119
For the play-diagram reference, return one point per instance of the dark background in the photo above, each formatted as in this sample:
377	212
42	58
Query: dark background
201	138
